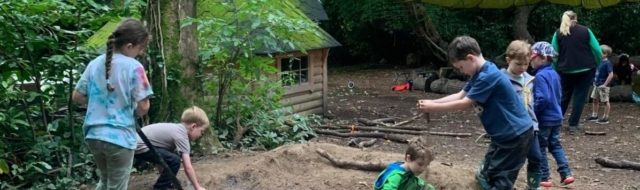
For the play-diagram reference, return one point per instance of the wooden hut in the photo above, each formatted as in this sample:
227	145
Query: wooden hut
309	93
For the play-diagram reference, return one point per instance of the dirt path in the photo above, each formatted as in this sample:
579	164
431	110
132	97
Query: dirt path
299	167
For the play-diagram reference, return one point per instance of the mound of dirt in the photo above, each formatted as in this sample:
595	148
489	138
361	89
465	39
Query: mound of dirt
300	167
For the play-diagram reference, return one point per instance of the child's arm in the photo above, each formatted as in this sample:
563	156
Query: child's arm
462	104
143	107
191	174
452	97
79	98
141	90
610	77
541	95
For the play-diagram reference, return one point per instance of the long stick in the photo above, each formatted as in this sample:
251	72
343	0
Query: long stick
414	132
153	151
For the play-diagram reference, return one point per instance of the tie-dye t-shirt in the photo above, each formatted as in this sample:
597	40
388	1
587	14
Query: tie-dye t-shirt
110	115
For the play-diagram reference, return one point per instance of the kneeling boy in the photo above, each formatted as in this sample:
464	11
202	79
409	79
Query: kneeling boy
404	175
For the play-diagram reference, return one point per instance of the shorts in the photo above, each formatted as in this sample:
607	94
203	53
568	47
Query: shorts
600	93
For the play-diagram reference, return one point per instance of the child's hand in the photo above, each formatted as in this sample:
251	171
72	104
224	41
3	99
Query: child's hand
425	106
424	100
200	188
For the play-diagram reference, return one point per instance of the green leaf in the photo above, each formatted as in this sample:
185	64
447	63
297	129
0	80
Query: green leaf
51	186
21	122
4	168
45	165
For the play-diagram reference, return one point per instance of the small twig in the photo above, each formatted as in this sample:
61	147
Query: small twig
594	133
411	120
480	137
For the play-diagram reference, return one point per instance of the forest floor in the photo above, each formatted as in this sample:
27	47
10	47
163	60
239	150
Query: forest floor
300	167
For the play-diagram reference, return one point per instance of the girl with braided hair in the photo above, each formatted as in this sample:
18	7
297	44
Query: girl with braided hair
115	87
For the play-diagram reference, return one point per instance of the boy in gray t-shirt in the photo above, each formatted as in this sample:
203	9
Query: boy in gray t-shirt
171	141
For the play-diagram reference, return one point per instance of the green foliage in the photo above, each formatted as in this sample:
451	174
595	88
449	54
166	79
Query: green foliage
246	98
357	25
40	59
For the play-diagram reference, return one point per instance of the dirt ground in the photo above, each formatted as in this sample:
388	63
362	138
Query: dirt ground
299	167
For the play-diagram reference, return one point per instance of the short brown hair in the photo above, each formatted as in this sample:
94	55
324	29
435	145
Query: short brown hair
418	150
462	46
195	115
518	49
606	49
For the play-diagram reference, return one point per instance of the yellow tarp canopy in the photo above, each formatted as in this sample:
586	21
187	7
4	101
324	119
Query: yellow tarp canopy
501	4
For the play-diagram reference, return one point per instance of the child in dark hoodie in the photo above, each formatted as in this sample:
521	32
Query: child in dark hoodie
547	94
404	175
518	56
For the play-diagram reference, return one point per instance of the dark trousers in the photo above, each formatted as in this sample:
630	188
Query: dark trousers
575	85
550	138
173	161
534	156
504	159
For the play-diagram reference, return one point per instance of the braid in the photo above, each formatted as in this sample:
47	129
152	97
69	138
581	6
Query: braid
110	48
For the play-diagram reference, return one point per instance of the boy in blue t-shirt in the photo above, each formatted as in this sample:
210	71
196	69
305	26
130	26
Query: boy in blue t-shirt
501	112
600	92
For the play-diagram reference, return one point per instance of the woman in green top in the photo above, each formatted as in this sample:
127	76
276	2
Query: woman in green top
579	55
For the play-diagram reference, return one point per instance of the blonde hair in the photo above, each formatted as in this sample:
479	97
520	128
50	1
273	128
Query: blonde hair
418	150
195	115
567	22
606	49
518	49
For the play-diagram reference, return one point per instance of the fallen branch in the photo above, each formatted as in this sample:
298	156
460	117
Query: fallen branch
594	133
400	131
368	166
390	137
412	119
368	122
399	127
385	120
624	164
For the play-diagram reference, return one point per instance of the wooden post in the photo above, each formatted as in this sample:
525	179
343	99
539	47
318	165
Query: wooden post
325	80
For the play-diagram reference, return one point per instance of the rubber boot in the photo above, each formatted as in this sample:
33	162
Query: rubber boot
533	181
480	178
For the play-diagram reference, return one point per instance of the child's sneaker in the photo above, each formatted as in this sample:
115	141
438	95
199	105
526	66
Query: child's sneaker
604	120
546	183
592	118
566	180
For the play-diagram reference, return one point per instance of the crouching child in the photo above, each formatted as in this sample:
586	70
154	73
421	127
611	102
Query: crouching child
171	141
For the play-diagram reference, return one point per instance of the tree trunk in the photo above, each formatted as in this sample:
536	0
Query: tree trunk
520	21
428	34
180	50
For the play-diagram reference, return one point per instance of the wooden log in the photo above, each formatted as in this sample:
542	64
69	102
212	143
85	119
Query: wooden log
317	87
368	166
317	111
621	93
304	97
400	131
390	137
307	106
624	164
594	133
317	79
447	86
